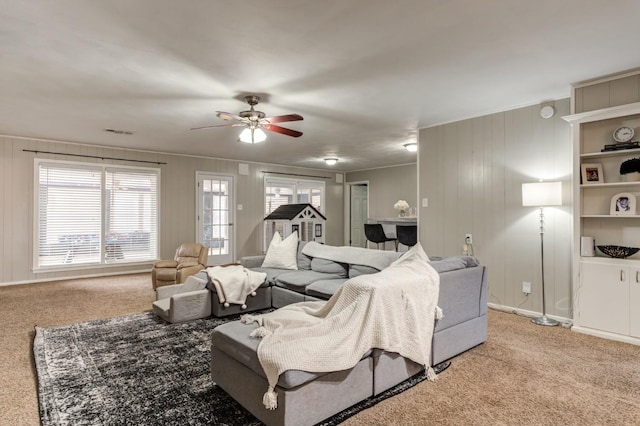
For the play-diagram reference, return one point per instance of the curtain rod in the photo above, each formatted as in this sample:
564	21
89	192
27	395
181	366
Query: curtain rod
94	156
295	174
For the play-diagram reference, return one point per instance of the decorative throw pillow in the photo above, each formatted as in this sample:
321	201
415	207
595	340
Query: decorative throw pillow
304	261
355	270
329	267
282	254
448	264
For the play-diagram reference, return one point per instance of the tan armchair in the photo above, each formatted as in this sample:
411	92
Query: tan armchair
190	258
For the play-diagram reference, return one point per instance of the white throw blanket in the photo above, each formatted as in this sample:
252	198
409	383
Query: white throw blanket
234	283
393	310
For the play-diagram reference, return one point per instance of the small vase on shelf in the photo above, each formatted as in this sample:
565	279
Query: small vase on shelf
633	177
402	213
631	169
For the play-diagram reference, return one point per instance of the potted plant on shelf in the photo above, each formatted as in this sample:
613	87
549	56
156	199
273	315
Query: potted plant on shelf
631	168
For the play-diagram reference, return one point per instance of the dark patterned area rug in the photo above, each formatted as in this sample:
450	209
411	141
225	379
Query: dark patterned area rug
138	370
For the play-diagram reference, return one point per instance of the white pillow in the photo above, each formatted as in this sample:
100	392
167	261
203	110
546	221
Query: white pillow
282	254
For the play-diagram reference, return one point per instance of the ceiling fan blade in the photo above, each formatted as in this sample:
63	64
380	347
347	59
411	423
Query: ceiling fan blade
284	118
284	131
227	116
218	125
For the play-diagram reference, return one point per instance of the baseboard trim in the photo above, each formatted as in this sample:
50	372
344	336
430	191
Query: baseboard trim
607	335
75	277
565	322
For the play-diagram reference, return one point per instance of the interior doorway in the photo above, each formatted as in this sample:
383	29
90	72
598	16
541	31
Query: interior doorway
358	213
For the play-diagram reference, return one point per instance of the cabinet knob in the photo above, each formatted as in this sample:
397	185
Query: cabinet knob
621	275
637	276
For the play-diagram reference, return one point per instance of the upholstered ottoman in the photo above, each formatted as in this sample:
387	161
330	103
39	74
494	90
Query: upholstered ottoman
303	398
261	300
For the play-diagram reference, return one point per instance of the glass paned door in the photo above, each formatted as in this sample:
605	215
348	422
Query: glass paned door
215	217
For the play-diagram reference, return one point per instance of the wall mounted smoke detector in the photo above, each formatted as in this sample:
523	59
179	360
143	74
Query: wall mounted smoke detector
547	111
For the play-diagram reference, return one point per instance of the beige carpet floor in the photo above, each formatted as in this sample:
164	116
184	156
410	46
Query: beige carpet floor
523	375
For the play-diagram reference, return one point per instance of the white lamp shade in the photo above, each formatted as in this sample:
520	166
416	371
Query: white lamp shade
542	194
250	135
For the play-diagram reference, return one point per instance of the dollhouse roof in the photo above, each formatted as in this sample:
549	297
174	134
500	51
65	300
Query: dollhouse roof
292	211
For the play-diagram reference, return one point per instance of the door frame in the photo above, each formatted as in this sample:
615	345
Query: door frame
232	209
347	208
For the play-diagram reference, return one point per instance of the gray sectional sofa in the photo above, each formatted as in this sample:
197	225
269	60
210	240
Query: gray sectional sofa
307	398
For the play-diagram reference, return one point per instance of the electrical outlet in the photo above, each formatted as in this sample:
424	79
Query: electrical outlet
526	287
468	239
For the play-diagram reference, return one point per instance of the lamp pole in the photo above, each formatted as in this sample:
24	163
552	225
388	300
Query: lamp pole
541	194
544	319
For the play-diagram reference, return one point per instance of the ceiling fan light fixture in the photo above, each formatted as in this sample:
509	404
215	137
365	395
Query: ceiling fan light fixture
250	135
411	147
330	161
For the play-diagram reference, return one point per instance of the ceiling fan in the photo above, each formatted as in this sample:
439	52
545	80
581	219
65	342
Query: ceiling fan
256	122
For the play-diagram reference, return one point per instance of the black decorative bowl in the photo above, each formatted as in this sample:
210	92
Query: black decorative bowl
619	252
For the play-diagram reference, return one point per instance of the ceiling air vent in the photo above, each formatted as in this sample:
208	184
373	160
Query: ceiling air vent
118	132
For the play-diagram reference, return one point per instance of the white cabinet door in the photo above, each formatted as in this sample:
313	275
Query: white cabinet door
604	298
634	302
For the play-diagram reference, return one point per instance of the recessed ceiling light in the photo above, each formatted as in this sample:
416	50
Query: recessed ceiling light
330	161
118	132
411	147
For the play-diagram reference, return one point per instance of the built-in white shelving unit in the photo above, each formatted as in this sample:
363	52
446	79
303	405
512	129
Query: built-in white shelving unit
606	291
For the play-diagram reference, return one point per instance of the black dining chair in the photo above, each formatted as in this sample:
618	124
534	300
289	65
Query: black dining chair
407	234
375	233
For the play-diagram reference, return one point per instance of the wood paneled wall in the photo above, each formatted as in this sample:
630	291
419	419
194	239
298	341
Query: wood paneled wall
472	172
388	185
607	92
177	198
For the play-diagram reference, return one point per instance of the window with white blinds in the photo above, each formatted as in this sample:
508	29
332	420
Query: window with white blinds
291	191
278	193
90	214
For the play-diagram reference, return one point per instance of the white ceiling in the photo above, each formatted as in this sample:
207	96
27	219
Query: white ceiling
365	74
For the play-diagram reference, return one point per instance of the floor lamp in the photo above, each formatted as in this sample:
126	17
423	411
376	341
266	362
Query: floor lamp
542	194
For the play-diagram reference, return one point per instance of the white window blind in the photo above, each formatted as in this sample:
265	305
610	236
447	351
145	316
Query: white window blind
91	214
70	208
131	206
290	191
278	194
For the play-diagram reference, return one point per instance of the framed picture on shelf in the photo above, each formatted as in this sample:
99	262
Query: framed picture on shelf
592	173
623	204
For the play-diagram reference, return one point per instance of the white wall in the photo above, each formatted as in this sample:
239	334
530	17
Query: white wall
471	171
177	196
